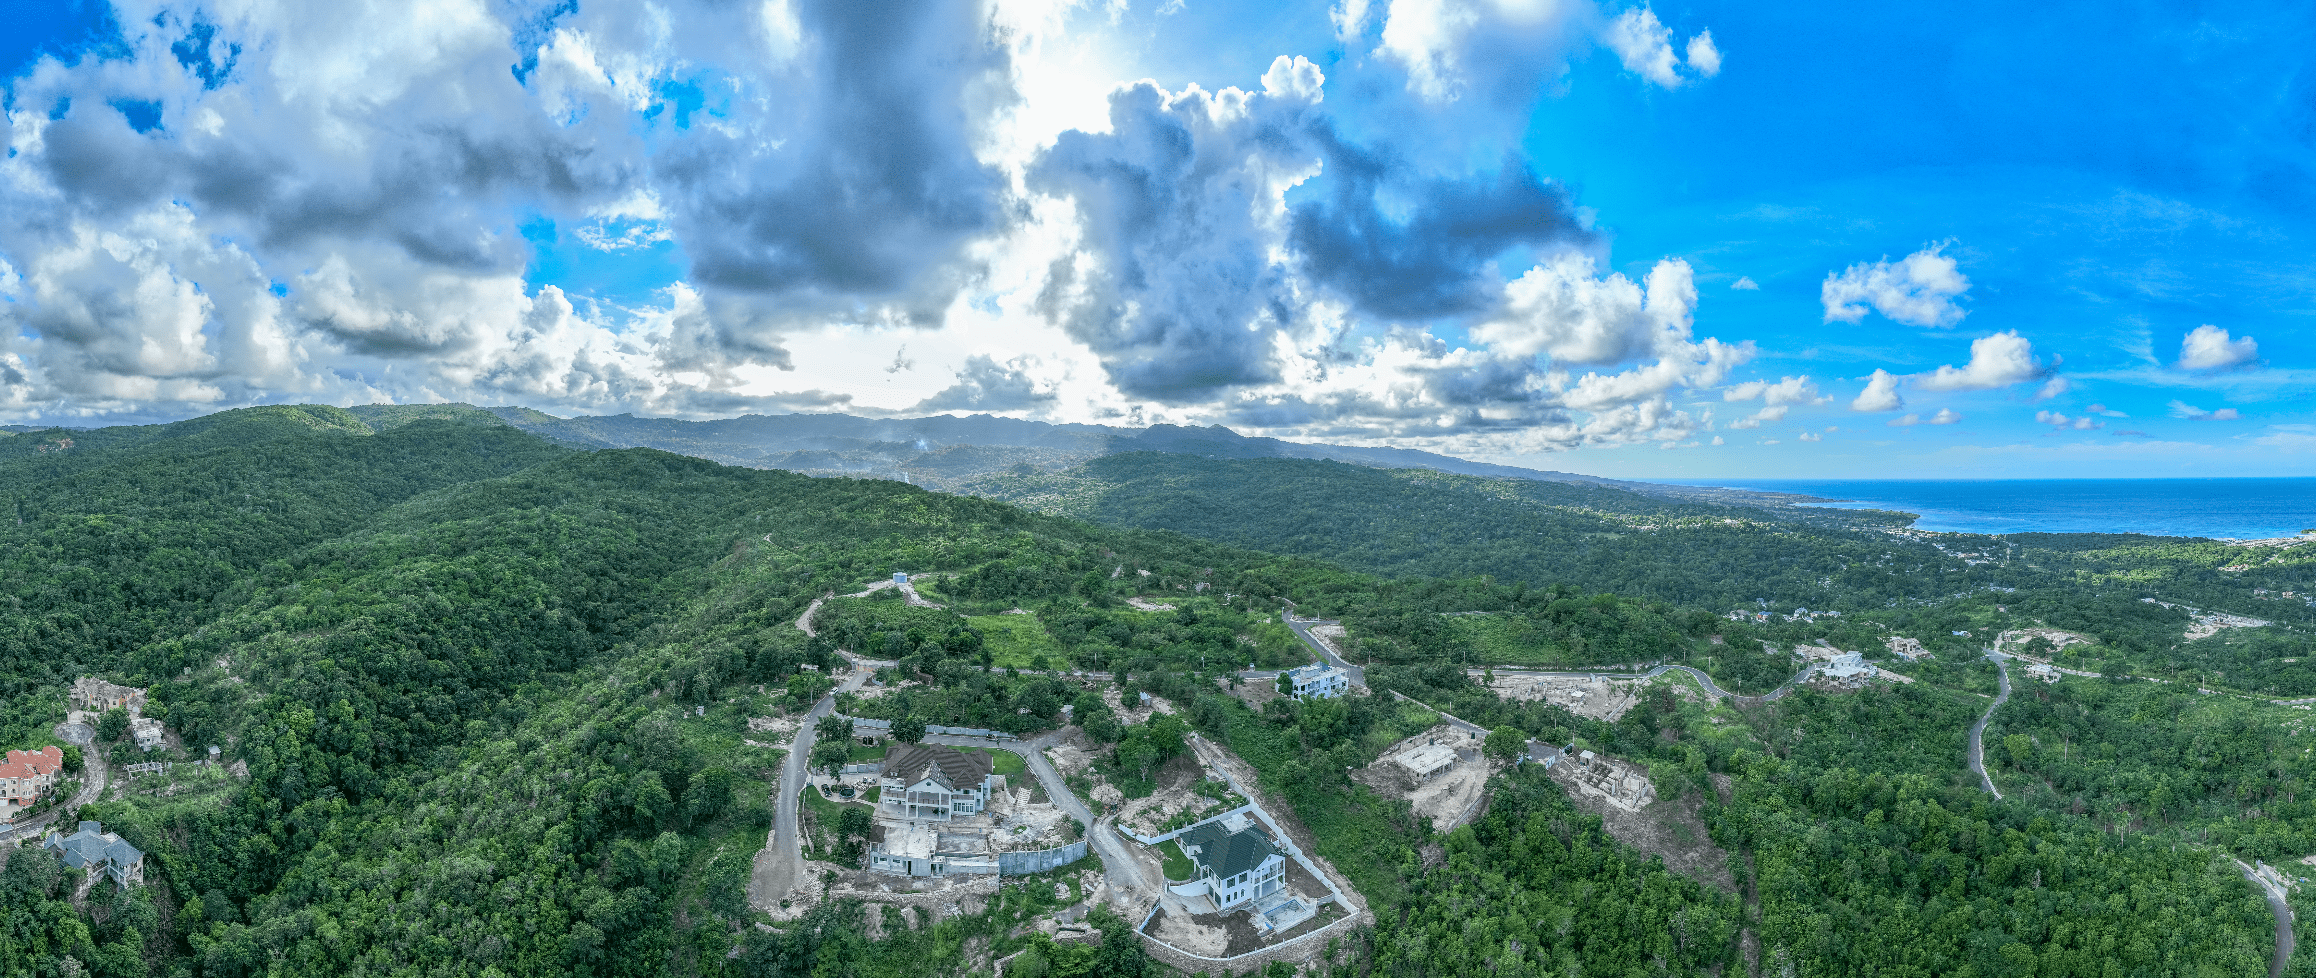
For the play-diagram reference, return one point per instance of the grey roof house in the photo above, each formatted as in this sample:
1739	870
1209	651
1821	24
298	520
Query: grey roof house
1235	861
98	851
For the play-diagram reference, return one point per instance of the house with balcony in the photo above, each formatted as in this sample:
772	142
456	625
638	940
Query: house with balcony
1318	680
24	775
100	852
927	783
1233	862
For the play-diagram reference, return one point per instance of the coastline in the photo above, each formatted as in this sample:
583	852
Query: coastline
2272	511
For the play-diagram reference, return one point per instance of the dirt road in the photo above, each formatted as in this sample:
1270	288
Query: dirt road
1978	730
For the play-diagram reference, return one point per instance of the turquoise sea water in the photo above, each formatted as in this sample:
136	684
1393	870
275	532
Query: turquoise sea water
2229	508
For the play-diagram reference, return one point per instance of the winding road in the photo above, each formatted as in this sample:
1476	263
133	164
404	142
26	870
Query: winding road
2283	913
1978	730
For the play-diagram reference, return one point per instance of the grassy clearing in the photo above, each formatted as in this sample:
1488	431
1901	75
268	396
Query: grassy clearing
863	752
1500	639
1018	641
1005	761
1178	868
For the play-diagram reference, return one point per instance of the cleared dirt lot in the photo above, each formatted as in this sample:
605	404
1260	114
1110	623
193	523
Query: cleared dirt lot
1449	798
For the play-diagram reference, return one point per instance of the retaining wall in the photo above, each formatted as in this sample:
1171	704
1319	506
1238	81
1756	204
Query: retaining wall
1151	840
1040	861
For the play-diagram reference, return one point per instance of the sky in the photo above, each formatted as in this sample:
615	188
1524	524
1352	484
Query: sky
1701	240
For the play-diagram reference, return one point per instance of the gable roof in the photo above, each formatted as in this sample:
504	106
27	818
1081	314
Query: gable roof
954	768
1223	853
91	846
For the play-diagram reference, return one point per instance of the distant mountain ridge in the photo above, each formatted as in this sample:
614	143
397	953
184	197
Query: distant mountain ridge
945	452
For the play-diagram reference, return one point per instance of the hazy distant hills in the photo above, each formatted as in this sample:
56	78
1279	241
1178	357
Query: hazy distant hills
946	453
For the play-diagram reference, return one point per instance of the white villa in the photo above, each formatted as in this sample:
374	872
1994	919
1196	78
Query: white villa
1847	665
924	783
1318	680
1235	862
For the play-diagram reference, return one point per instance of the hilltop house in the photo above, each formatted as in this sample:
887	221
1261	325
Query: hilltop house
96	696
1318	680
98	851
1234	862
24	775
926	783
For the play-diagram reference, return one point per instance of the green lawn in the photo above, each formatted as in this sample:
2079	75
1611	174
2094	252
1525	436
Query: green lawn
862	752
1005	761
1178	868
1015	640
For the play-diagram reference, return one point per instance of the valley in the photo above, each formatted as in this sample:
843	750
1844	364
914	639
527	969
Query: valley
596	710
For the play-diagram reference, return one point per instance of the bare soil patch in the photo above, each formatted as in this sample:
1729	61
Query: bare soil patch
1671	829
1449	798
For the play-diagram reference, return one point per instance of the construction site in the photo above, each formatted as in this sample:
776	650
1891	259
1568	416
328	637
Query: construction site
1620	784
1440	772
1586	695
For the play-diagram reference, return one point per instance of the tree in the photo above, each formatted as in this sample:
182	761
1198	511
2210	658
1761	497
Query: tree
833	727
113	724
831	755
1504	743
1100	724
1166	735
909	729
72	761
1286	685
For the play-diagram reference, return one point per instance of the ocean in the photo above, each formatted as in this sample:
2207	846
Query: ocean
2244	509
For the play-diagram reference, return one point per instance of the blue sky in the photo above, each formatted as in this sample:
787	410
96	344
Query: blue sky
1699	240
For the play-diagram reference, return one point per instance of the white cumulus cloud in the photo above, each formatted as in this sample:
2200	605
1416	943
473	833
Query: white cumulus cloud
1999	360
1917	290
2210	348
1881	393
1791	390
1645	45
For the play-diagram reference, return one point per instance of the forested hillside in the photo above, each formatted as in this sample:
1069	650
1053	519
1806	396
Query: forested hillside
488	703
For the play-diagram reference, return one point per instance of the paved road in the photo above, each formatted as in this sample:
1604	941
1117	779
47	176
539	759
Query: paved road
1302	629
2283	915
782	860
1978	730
1117	863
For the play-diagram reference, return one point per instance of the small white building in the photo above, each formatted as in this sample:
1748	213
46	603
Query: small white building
1234	861
2042	671
1318	680
900	578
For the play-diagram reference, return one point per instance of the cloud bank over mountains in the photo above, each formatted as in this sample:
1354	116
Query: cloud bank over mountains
697	209
346	203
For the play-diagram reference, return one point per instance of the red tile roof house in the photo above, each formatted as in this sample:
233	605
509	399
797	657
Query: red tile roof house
24	775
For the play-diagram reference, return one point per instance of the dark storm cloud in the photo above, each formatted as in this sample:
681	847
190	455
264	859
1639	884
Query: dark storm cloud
870	196
1435	262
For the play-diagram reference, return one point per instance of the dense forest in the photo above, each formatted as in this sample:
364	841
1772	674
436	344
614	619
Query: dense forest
488	698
